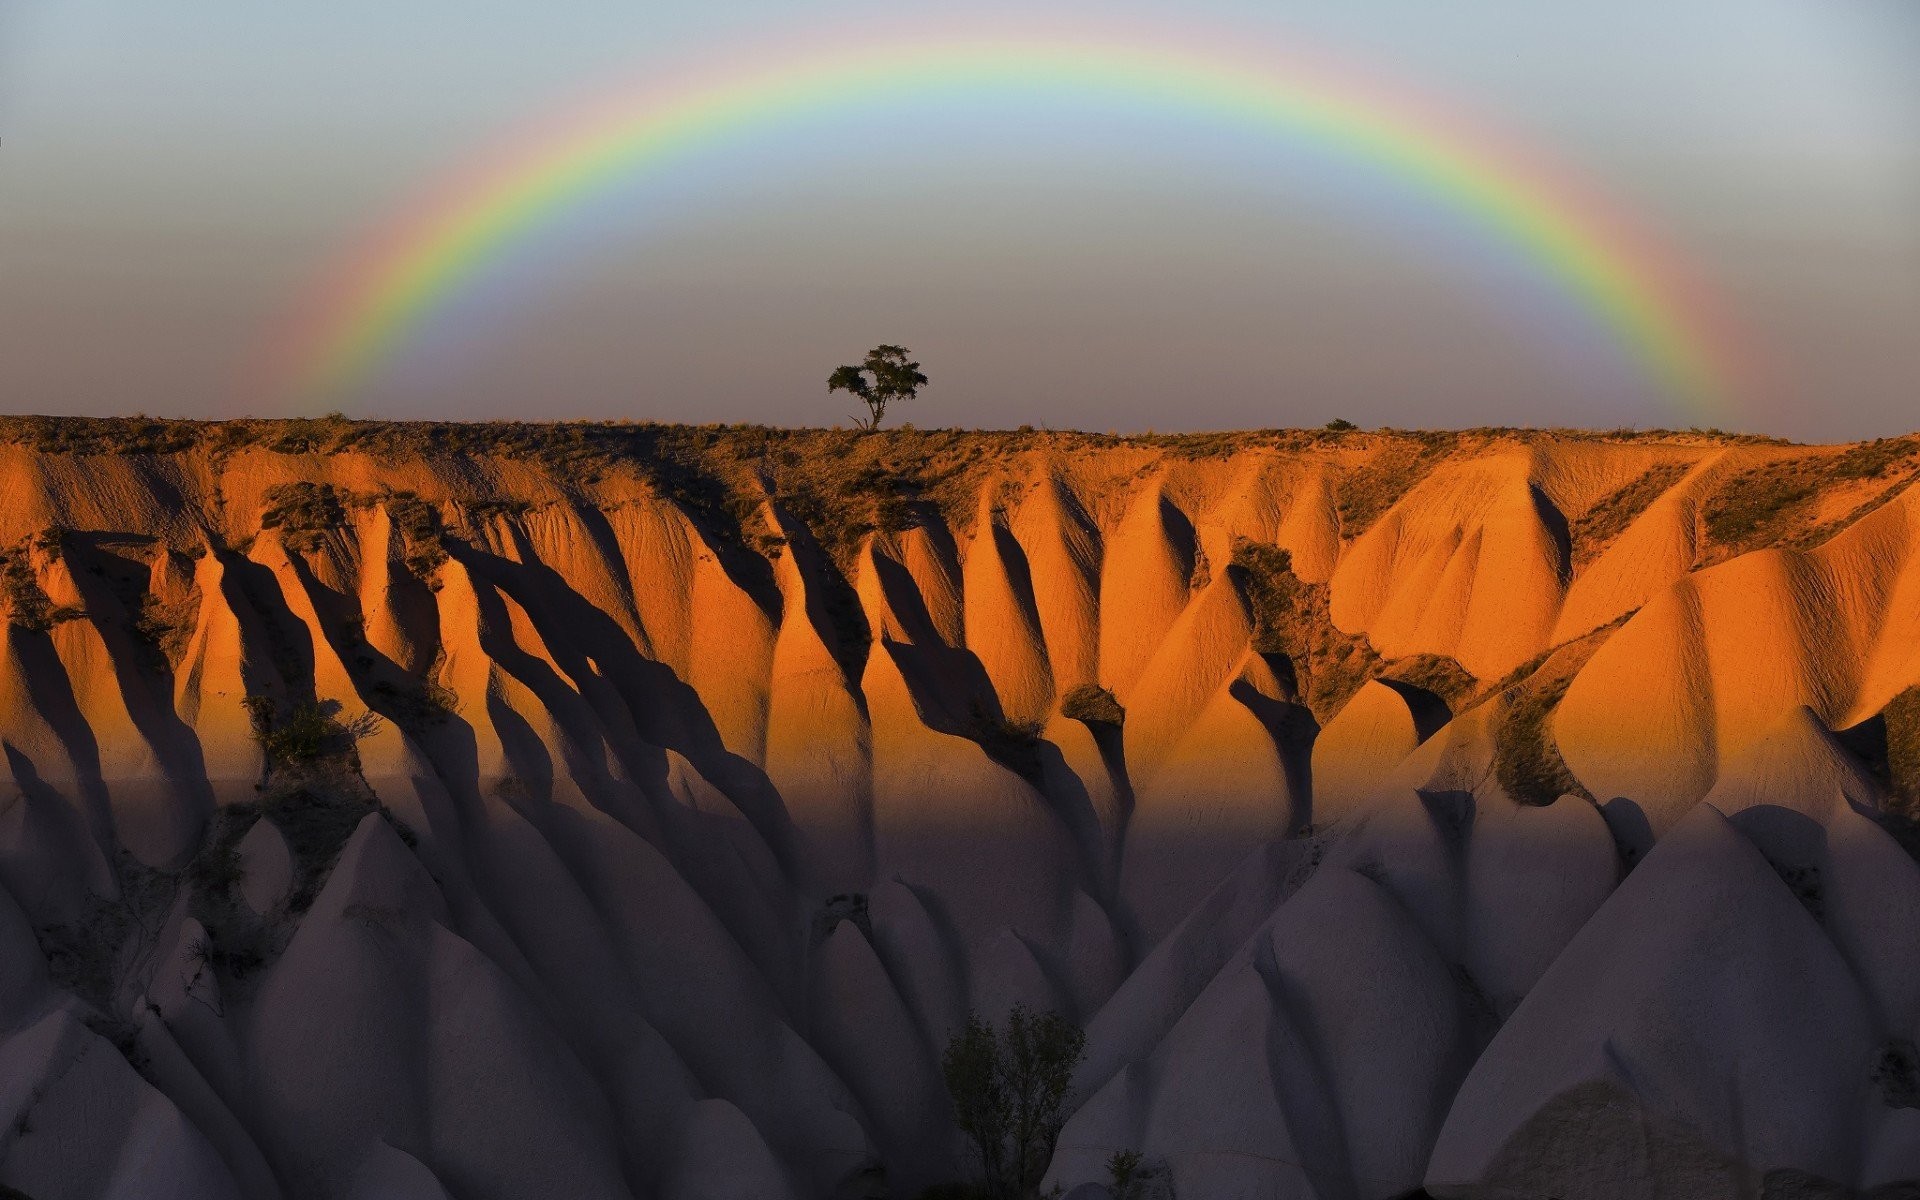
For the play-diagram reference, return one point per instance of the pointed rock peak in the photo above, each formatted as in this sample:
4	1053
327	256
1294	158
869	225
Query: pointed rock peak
692	789
1428	711
724	1157
1459	756
266	867
1259	676
1798	764
999	494
389	1174
208	569
1007	972
773	516
1356	755
878	544
170	575
377	876
1382	712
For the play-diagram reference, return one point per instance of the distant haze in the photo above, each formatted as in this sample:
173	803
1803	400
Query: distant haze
174	179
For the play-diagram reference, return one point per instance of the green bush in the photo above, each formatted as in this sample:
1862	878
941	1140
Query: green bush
307	734
1010	1090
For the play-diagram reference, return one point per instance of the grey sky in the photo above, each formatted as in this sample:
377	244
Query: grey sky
172	182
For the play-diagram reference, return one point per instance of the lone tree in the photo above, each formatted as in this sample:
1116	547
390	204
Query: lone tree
886	375
1010	1093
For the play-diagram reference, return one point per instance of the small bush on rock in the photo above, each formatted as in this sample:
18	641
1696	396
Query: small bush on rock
1091	703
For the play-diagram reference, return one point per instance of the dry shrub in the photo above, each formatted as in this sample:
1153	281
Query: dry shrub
1767	505
1594	529
1092	704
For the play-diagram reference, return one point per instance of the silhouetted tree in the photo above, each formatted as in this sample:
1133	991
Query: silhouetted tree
1010	1092
977	1082
885	376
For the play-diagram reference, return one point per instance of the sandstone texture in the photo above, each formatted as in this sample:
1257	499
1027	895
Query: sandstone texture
500	812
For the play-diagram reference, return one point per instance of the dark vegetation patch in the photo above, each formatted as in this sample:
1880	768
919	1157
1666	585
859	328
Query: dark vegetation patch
1896	1073
30	607
1015	745
595	443
315	820
314	792
124	564
1291	621
237	943
307	734
843	483
108	435
1901	729
1438	674
315	797
1767	505
482	511
421	531
1596	528
1526	760
1365	493
1092	704
305	513
99	955
167	628
86	955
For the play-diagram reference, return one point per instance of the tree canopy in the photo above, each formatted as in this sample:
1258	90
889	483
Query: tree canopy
888	374
1010	1090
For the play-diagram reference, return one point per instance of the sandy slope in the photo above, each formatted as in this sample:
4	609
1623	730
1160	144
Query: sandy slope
706	820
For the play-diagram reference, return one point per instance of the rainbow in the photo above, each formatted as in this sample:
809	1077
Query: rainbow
380	300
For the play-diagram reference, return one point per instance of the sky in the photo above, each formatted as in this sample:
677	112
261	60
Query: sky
179	184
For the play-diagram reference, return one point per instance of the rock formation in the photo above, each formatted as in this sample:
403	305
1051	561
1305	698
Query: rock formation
633	811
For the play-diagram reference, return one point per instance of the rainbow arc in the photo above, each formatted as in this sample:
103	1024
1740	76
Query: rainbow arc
1644	300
